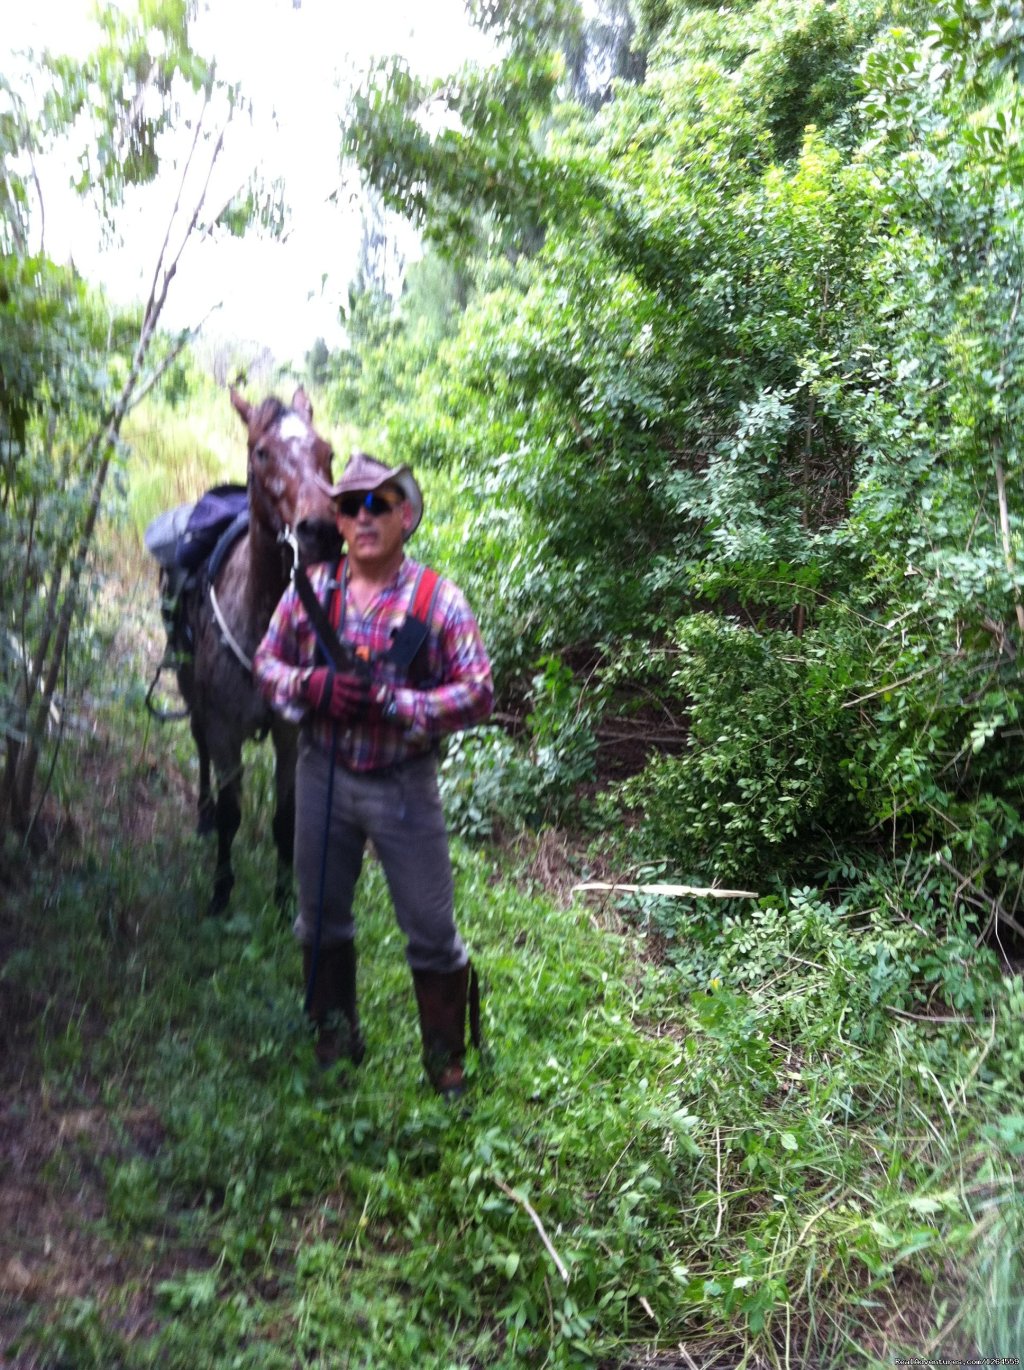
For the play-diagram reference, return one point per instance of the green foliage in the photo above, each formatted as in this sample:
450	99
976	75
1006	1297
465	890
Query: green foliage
562	743
763	369
761	776
476	780
483	162
371	381
61	356
489	782
121	97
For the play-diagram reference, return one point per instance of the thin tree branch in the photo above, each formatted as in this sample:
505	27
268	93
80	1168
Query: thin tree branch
670	891
103	441
981	899
531	1212
1004	525
928	1017
186	337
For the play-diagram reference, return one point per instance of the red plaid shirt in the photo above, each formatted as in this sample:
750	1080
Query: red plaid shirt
457	690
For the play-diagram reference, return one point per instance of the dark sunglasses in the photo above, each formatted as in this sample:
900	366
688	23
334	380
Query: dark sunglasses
350	505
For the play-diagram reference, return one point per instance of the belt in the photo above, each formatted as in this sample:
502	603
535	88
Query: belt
369	773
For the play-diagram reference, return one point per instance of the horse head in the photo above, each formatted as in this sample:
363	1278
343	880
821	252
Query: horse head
286	457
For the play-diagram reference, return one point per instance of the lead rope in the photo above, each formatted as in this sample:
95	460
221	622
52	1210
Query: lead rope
314	961
476	1036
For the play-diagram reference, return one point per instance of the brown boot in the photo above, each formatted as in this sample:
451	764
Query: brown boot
331	1003
442	998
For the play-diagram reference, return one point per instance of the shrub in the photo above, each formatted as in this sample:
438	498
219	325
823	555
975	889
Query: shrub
762	767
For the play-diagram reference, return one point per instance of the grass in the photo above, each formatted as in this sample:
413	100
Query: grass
753	1133
710	1166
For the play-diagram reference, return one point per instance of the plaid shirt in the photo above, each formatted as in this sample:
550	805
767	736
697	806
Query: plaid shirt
457	690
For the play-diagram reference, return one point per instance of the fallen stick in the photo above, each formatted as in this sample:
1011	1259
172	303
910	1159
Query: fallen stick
524	1203
672	891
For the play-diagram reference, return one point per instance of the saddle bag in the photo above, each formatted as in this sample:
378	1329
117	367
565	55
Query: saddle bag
182	541
166	531
212	515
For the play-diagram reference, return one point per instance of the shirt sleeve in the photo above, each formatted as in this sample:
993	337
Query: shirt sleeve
465	694
279	665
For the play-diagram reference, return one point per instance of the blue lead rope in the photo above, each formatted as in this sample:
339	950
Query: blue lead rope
315	958
289	537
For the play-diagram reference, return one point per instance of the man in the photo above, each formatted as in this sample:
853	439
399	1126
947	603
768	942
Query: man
367	758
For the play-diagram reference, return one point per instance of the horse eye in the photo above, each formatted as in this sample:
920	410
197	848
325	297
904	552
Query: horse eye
260	452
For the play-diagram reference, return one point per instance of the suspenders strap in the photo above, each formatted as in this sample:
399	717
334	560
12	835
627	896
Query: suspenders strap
412	634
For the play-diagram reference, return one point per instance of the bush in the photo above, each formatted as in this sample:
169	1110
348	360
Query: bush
762	770
487	778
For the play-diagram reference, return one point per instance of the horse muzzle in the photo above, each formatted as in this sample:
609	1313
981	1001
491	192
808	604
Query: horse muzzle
316	540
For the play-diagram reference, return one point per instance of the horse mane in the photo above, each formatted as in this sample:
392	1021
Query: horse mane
268	413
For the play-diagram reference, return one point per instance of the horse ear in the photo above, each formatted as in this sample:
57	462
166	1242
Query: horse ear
242	405
301	404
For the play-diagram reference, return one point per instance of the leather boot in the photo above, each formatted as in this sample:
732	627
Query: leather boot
442	997
331	1003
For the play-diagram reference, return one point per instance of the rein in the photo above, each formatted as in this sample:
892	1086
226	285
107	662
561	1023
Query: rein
288	538
305	592
229	637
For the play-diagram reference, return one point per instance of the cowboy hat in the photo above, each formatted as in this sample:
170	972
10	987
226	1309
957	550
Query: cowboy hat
366	473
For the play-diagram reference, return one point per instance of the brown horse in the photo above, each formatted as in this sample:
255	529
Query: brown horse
229	615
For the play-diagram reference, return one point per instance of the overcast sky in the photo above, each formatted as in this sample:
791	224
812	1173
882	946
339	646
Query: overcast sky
290	59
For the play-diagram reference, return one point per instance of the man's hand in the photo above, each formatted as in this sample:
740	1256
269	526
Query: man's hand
381	704
341	695
317	690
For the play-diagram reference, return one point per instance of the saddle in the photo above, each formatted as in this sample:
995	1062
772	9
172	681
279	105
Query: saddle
189	544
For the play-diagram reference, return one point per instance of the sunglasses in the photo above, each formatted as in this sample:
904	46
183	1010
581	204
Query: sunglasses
374	504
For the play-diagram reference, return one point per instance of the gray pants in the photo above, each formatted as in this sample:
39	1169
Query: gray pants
400	812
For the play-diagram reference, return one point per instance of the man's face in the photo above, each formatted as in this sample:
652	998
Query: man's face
373	523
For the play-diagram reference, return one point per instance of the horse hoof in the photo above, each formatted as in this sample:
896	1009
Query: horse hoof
219	902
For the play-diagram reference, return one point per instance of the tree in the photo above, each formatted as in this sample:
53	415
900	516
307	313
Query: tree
61	407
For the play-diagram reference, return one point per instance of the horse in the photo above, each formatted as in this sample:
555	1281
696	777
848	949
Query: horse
290	514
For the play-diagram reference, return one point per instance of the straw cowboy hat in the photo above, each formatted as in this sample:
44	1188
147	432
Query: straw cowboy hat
366	473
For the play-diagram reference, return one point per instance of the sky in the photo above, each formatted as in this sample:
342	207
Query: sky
295	61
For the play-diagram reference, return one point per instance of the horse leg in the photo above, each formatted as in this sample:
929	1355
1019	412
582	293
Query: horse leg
285	741
227	818
205	822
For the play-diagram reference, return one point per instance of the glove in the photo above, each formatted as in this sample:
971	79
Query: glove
341	695
380	706
317	690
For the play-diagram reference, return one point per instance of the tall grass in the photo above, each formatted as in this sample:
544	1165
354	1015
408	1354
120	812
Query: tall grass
171	455
176	455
